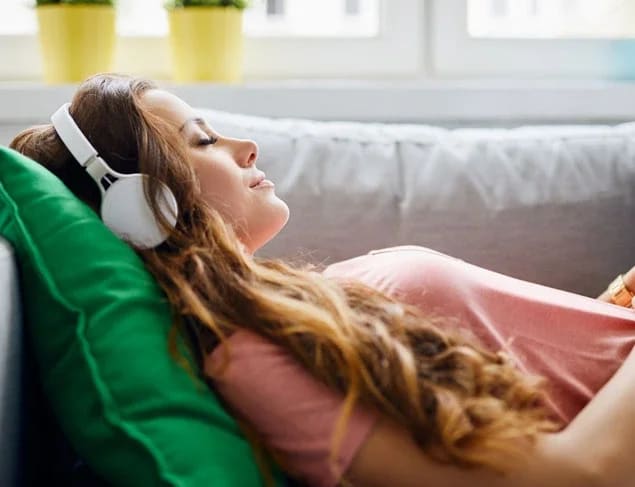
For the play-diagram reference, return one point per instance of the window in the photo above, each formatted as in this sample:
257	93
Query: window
551	18
581	39
290	18
355	32
18	17
407	39
308	18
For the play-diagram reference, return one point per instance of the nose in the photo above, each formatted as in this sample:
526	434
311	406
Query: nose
246	152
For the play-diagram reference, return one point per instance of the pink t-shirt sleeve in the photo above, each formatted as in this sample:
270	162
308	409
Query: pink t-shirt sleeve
294	413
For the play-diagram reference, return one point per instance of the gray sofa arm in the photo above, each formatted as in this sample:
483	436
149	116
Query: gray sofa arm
10	367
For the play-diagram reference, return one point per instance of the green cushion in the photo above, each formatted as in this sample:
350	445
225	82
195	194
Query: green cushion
98	325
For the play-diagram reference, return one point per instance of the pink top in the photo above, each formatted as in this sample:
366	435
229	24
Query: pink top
574	341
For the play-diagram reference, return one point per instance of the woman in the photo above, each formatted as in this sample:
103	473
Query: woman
339	380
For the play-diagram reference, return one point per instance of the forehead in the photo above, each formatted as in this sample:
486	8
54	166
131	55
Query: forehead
167	106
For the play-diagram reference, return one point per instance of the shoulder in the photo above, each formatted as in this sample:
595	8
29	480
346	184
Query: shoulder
398	270
396	258
409	251
256	367
295	414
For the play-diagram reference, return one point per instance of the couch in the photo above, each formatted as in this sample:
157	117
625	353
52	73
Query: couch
10	367
553	205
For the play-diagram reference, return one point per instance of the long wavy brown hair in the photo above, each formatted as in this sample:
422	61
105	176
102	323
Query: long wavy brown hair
461	403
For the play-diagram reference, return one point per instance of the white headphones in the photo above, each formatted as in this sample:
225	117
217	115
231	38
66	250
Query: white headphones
124	208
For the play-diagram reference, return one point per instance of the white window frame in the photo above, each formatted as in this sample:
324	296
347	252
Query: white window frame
397	51
453	53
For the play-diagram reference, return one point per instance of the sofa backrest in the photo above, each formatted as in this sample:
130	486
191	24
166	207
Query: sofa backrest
10	367
551	204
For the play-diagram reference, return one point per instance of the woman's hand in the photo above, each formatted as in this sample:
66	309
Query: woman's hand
629	282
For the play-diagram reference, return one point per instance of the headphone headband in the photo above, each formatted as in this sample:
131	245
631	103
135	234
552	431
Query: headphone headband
73	138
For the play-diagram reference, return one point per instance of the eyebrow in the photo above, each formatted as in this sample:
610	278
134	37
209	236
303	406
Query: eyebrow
197	120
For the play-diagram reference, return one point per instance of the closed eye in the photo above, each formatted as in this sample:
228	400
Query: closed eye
208	140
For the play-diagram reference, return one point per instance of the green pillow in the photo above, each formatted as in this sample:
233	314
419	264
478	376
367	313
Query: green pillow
98	324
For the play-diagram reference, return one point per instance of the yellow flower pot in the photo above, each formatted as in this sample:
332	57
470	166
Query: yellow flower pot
76	41
206	44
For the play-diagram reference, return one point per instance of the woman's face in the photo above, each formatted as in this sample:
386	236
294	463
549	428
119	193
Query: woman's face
226	168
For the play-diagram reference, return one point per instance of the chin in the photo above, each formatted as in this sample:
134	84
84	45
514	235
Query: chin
285	212
278	220
269	226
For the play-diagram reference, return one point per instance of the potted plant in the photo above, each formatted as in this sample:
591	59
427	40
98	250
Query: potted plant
77	38
206	39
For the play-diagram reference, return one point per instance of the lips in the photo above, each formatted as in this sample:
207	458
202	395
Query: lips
265	183
257	180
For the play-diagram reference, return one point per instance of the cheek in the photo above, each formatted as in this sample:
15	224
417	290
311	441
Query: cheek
221	187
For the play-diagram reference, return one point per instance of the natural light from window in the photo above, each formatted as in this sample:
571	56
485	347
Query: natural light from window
551	18
274	18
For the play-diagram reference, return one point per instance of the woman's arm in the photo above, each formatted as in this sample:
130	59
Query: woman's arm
595	450
604	431
390	457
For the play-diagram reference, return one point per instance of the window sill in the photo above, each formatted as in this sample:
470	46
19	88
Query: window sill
466	102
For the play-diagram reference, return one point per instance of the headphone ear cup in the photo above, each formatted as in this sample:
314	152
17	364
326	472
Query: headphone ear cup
126	212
